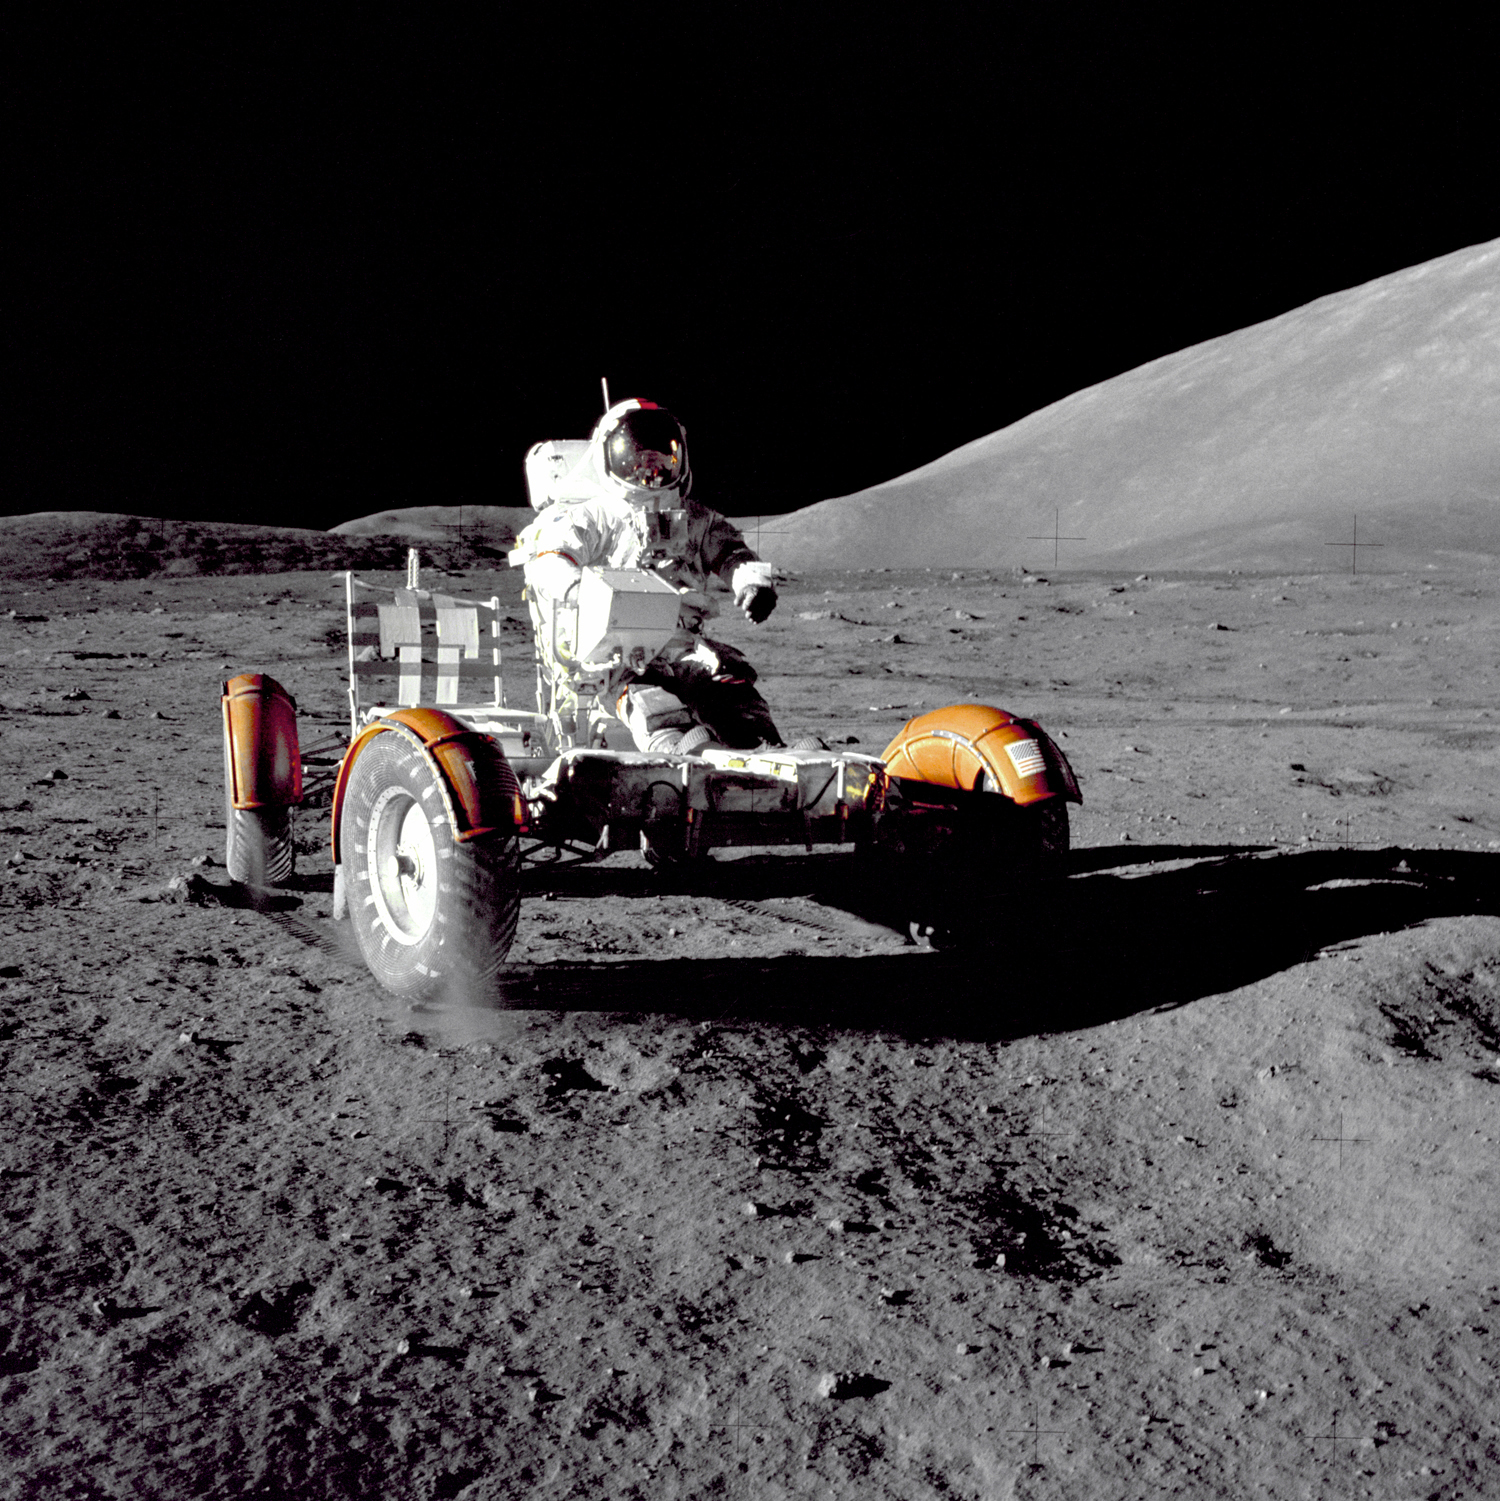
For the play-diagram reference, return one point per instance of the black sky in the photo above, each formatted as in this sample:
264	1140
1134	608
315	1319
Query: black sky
297	273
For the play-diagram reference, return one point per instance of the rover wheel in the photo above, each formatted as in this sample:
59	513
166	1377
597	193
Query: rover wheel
258	841
1047	836
967	890
258	850
434	918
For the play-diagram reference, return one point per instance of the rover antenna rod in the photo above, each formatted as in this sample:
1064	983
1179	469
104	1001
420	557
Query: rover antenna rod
604	386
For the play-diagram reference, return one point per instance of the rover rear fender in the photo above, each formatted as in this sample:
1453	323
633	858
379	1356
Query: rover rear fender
973	745
260	733
479	790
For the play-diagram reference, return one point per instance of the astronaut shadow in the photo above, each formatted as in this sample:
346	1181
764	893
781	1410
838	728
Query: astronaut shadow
1103	945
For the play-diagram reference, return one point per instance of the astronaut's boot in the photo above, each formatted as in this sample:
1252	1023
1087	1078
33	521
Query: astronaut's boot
677	742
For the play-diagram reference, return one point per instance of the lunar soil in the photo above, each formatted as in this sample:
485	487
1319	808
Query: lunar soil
1183	1184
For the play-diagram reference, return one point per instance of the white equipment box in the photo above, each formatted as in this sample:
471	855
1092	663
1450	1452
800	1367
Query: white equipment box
624	611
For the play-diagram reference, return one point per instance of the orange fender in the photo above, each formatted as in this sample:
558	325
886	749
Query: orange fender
479	790
951	748
260	734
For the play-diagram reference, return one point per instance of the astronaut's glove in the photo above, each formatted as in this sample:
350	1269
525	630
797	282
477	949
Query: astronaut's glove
754	585
757	601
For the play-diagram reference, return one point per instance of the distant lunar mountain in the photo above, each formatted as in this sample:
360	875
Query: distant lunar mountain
106	545
100	544
1253	450
495	524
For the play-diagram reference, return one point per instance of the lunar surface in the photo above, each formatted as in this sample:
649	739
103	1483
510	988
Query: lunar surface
1183	1185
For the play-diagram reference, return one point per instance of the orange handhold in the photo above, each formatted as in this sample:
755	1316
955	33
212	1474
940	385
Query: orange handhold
481	791
260	731
967	744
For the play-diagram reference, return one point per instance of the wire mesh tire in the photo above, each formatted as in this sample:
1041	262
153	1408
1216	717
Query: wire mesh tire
967	881
434	918
1048	838
257	841
258	849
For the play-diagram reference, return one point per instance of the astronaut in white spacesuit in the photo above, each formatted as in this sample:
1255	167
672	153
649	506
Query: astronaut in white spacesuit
627	506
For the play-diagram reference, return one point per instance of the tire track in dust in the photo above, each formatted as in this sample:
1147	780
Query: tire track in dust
339	944
853	928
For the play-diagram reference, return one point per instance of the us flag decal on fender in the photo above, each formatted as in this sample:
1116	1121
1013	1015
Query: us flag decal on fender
1026	756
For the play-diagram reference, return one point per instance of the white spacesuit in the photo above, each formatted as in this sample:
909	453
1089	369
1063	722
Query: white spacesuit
623	504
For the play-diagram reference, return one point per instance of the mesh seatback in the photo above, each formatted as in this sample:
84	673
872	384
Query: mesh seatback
411	646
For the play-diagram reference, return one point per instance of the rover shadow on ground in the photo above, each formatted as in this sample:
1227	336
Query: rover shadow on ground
1124	933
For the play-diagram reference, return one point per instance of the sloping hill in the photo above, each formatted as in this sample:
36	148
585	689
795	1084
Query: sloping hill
103	545
495	526
99	544
1252	450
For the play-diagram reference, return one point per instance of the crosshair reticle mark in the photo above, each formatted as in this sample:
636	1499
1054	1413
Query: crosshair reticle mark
446	1120
1341	1139
1336	1437
1042	1129
1346	841
1036	1431
479	529
1055	536
1354	545
770	531
737	1425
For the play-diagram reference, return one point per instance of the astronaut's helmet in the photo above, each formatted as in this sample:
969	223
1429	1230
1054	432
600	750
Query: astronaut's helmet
644	450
